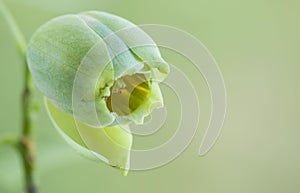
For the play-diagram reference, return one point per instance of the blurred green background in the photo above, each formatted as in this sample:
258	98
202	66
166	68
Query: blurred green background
256	44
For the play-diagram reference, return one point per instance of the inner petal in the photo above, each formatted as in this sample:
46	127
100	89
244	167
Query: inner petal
127	94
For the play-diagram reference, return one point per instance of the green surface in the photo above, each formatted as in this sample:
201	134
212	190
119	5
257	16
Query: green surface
256	44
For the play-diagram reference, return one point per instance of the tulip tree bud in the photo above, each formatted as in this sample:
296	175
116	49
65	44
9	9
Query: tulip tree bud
108	57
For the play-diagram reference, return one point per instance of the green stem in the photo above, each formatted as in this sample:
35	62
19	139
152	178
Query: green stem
24	144
19	38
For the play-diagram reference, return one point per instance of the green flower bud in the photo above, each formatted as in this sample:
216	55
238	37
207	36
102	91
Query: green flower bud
96	53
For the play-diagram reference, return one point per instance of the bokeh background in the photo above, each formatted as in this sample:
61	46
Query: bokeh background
256	44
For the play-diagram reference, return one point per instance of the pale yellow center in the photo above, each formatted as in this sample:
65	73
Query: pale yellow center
127	94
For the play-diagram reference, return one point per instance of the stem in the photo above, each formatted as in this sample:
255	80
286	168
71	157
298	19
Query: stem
24	144
26	147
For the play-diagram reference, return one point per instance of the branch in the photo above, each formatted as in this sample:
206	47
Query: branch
24	144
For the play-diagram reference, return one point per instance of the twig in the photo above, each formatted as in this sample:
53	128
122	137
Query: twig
24	144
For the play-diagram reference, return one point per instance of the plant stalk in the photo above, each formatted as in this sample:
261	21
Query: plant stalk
24	144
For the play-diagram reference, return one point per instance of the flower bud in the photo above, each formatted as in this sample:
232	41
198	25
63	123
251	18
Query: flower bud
98	72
